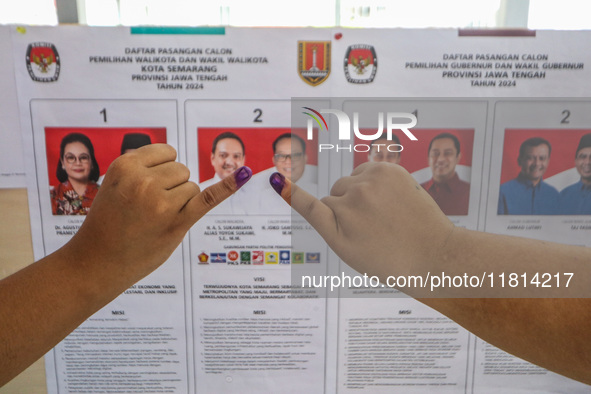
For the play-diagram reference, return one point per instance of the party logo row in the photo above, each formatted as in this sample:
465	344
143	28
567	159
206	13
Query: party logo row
258	257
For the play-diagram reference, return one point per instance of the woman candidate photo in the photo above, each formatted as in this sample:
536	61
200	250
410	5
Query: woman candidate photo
78	172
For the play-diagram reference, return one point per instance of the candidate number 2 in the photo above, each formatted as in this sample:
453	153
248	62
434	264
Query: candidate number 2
566	114
258	118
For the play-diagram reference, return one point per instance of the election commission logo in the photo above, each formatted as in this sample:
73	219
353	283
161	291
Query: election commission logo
314	61
43	62
361	63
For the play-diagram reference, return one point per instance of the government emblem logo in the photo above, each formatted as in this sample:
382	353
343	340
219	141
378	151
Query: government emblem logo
361	63
43	62
314	61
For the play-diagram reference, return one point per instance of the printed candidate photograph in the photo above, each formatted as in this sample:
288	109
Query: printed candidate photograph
440	160
78	158
222	150
545	172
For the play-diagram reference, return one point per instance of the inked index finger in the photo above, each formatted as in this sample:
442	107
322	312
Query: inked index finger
208	198
318	214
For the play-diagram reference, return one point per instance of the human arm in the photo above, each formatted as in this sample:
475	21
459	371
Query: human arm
140	215
382	223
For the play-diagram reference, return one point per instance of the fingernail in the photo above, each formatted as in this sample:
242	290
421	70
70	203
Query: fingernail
242	176
277	182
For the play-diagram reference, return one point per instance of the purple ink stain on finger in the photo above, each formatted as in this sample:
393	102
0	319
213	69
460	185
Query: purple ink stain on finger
277	182
242	176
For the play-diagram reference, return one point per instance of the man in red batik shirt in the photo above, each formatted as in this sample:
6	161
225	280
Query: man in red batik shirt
447	189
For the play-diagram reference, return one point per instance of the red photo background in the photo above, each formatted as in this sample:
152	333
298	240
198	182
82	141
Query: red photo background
106	143
414	156
564	145
258	143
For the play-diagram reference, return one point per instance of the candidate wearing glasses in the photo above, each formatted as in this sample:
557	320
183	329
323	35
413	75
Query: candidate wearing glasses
449	192
78	172
289	159
289	156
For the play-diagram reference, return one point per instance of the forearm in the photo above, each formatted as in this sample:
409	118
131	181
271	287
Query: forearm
45	301
145	207
382	223
551	333
554	333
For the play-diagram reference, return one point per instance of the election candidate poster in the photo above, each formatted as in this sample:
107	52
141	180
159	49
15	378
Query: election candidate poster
252	301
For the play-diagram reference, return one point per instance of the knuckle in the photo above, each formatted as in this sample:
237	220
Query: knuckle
326	200
161	207
338	186
180	171
117	165
194	187
144	185
360	191
228	188
208	197
118	170
309	207
185	172
379	169
168	150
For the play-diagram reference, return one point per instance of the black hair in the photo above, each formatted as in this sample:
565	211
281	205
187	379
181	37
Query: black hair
585	142
224	135
446	135
289	135
61	174
134	141
532	143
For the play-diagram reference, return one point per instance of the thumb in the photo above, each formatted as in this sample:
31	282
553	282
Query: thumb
315	211
208	198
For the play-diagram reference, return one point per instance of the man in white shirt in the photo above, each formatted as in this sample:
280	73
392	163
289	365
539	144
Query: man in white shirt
289	158
227	155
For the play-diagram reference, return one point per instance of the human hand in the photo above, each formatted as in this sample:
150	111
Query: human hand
377	217
143	209
141	213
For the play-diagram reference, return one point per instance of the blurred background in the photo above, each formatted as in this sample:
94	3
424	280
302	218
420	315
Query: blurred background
532	14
